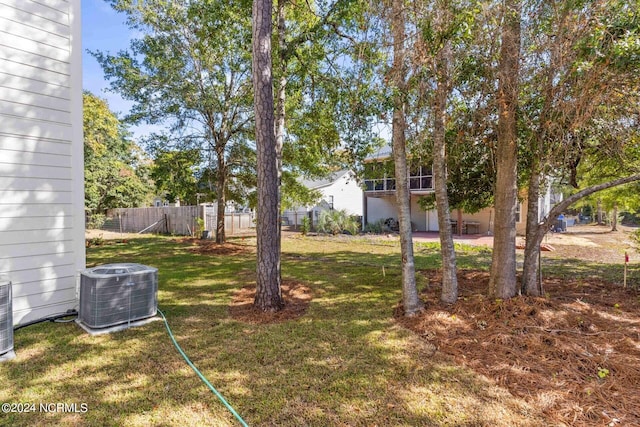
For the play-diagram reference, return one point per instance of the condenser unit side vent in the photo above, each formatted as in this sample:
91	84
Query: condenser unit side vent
115	294
6	320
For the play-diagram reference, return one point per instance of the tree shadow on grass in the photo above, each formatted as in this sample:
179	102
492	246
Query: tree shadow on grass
344	362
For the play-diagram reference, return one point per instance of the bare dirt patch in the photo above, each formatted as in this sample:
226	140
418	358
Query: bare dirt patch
296	295
111	235
574	355
595	243
208	247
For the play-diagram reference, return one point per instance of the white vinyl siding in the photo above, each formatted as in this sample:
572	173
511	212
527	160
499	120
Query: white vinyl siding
345	193
41	166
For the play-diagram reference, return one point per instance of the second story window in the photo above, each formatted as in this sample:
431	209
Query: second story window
379	176
421	178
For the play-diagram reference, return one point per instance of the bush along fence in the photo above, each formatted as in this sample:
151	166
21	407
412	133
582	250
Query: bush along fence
180	221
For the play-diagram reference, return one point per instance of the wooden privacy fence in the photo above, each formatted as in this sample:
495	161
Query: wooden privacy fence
181	221
234	222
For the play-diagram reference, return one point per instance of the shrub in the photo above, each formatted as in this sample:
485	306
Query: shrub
336	222
96	221
305	226
199	227
377	227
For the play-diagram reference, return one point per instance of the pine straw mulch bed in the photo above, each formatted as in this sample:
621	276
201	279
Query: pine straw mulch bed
296	295
575	355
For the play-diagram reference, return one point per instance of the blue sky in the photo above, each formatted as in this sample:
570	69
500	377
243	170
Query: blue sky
104	29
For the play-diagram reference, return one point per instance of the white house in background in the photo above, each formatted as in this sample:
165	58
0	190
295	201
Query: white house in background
380	199
41	155
163	202
339	191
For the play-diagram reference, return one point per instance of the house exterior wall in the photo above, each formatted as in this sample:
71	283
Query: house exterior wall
418	215
485	219
381	208
346	193
41	157
385	207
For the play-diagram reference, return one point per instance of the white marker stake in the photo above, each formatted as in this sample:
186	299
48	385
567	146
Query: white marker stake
626	261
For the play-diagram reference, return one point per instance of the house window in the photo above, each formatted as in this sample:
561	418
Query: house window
518	210
380	177
421	178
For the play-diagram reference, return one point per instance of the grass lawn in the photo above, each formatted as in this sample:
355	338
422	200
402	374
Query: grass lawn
345	362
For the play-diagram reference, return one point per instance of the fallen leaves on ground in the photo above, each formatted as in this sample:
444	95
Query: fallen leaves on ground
296	295
574	354
209	247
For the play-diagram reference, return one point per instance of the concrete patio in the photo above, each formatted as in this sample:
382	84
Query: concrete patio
467	239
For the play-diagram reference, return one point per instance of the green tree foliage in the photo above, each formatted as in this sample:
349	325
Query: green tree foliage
622	161
327	95
174	173
116	172
579	100
191	68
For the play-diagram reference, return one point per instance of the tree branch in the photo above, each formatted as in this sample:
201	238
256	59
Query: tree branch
560	207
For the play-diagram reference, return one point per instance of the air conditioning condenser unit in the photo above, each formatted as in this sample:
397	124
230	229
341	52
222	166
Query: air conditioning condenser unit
6	320
117	294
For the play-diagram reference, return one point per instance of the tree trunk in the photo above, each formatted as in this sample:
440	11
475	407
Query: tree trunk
502	282
280	105
530	282
600	215
614	219
221	183
268	292
535	237
449	293
411	301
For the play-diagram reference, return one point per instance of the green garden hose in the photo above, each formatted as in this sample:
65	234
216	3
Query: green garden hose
202	377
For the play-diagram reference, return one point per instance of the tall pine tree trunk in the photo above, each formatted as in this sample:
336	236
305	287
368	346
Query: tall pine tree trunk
614	218
449	292
268	292
502	283
411	301
280	104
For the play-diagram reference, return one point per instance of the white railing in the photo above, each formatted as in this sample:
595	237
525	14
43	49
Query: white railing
416	183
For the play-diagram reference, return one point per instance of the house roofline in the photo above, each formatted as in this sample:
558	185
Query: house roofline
323	183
